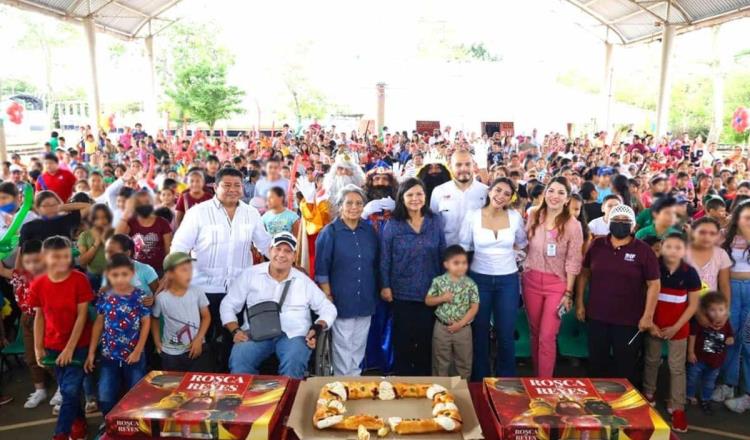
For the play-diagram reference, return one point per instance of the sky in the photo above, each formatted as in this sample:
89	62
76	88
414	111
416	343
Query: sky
344	49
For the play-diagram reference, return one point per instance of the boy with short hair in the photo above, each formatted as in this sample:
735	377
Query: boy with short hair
664	215
60	298
716	208
707	348
678	302
186	317
457	299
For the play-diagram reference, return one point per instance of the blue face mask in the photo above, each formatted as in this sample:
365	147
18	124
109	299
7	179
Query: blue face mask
8	208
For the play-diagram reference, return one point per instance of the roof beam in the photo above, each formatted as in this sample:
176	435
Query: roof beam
650	12
701	24
688	19
74	6
634	14
598	18
158	12
130	9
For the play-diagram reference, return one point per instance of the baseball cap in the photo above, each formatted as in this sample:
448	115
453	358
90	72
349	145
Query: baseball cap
622	211
14	168
175	259
284	238
605	171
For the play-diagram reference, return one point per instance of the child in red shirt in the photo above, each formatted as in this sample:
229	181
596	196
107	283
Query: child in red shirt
62	331
31	266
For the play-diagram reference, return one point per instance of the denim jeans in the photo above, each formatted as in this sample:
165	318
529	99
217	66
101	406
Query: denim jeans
70	381
115	377
293	354
499	297
738	354
703	375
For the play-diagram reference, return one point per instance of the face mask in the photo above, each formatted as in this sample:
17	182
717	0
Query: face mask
619	229
144	210
8	208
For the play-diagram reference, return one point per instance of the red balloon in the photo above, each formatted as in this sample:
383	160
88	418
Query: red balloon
740	120
15	113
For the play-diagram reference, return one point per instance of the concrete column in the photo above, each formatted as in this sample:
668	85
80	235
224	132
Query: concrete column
380	118
151	121
665	86
718	94
607	90
3	145
94	102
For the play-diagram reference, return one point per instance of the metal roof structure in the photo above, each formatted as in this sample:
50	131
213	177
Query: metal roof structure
127	19
630	22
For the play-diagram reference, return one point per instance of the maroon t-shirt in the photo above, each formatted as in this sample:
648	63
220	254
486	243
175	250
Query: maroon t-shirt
149	241
710	343
186	201
617	291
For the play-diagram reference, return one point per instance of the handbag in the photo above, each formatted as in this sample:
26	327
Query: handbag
264	318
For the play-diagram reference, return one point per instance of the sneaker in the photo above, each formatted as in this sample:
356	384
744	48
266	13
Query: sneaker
670	410
707	407
92	406
79	430
679	421
4	400
722	393
692	400
738	404
56	399
35	399
56	410
650	399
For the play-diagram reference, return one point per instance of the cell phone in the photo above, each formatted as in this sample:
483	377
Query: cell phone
561	310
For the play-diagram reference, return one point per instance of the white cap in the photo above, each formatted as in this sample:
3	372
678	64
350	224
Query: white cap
622	211
14	168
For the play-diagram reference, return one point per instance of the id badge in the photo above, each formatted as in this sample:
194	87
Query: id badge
551	249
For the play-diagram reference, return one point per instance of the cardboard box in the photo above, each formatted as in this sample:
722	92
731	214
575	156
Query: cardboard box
199	406
300	418
574	408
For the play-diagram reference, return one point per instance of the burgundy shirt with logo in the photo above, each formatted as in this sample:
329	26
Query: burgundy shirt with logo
617	290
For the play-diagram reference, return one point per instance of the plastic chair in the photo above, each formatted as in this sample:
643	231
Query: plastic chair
15	349
523	335
572	339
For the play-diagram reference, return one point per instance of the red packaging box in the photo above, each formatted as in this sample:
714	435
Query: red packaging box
207	406
572	408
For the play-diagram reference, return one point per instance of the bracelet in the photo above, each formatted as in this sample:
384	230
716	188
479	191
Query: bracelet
568	294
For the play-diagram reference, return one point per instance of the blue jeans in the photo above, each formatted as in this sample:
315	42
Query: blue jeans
499	297
116	377
70	381
738	354
293	354
703	375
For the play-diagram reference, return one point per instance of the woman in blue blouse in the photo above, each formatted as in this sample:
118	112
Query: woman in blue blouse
346	267
411	249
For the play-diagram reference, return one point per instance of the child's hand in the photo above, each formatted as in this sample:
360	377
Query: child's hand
447	297
655	331
64	358
88	366
40	354
692	358
196	348
134	357
157	346
456	326
729	341
148	300
669	332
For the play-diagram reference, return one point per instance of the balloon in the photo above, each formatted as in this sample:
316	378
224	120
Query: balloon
15	113
740	120
10	240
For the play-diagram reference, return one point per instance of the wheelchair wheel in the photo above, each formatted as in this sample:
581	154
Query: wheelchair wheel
323	355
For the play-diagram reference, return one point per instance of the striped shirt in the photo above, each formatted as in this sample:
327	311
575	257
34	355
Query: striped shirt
221	247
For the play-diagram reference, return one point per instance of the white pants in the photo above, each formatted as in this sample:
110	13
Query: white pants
349	343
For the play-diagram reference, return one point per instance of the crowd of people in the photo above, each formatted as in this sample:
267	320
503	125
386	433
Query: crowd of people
416	251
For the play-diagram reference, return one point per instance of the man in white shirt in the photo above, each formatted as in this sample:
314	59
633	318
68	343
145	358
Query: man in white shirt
265	282
455	198
220	233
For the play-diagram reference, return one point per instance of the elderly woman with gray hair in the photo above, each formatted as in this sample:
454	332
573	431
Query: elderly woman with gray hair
346	268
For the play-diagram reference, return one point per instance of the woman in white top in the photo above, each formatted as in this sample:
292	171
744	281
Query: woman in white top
494	233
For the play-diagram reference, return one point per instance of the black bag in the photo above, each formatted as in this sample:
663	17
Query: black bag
264	318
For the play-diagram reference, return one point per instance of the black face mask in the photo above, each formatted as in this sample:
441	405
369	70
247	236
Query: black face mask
620	229
144	210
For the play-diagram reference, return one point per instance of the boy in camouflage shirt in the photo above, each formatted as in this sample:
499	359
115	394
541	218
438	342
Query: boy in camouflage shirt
457	299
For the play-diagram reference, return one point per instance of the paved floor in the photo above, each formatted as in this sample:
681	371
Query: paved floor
17	422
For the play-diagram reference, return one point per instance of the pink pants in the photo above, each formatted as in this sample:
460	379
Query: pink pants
542	293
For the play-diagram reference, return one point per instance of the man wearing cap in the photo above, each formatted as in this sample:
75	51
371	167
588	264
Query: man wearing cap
453	199
265	282
220	234
625	282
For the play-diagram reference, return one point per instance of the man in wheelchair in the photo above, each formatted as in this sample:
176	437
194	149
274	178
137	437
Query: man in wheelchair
258	288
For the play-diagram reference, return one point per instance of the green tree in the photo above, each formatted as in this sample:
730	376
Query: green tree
201	92
691	109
